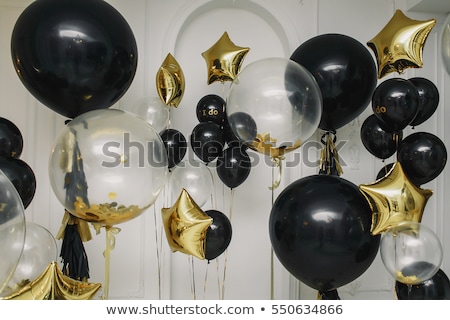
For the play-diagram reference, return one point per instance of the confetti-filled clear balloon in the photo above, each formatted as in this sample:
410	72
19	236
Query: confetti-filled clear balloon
108	166
411	252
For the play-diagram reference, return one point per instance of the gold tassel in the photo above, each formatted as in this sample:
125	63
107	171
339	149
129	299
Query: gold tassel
329	158
82	227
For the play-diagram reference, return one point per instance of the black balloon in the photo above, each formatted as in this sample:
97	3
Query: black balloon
211	108
395	102
376	140
385	170
21	176
218	235
175	144
207	141
319	228
428	99
240	126
74	55
233	166
423	156
435	288
11	140
346	73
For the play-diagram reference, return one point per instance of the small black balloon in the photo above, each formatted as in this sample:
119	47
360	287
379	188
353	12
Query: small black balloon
319	227
175	144
376	140
428	99
207	141
385	170
435	288
345	72
243	127
11	140
395	102
21	176
211	108
423	156
74	55
233	166
218	235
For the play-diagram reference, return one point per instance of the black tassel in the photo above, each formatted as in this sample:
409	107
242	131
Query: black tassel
328	295
73	255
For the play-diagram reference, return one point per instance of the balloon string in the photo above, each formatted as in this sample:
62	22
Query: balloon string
158	258
218	278
205	281
226	250
272	280
110	245
191	271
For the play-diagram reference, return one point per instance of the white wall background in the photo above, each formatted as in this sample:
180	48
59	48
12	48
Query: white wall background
186	29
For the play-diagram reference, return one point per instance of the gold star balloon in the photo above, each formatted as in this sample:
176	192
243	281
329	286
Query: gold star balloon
52	284
185	225
399	45
224	59
394	199
170	82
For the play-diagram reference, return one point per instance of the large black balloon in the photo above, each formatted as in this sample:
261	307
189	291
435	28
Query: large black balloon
74	55
435	288
207	141
175	144
346	73
376	140
423	156
11	140
211	108
395	102
21	176
319	228
218	235
233	166
428	99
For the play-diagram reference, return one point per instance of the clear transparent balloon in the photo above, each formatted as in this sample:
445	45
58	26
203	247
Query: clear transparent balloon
108	166
39	251
411	252
280	98
12	230
193	176
152	110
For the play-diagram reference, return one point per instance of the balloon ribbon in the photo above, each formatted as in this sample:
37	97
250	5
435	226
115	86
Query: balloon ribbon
110	245
329	158
278	164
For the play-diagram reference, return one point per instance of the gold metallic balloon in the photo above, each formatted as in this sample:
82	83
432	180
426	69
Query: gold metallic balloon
399	45
224	59
394	199
185	225
170	82
52	284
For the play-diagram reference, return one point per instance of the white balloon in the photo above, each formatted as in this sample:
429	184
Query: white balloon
152	110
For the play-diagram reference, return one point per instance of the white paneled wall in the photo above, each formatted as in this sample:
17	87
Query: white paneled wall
142	265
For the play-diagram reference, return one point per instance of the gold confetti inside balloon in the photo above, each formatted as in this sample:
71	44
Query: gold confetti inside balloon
224	59
185	225
394	199
170	82
399	45
108	166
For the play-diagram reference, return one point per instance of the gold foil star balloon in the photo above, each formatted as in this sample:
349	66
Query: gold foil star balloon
399	45
185	225
52	284
394	199
170	82
224	59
